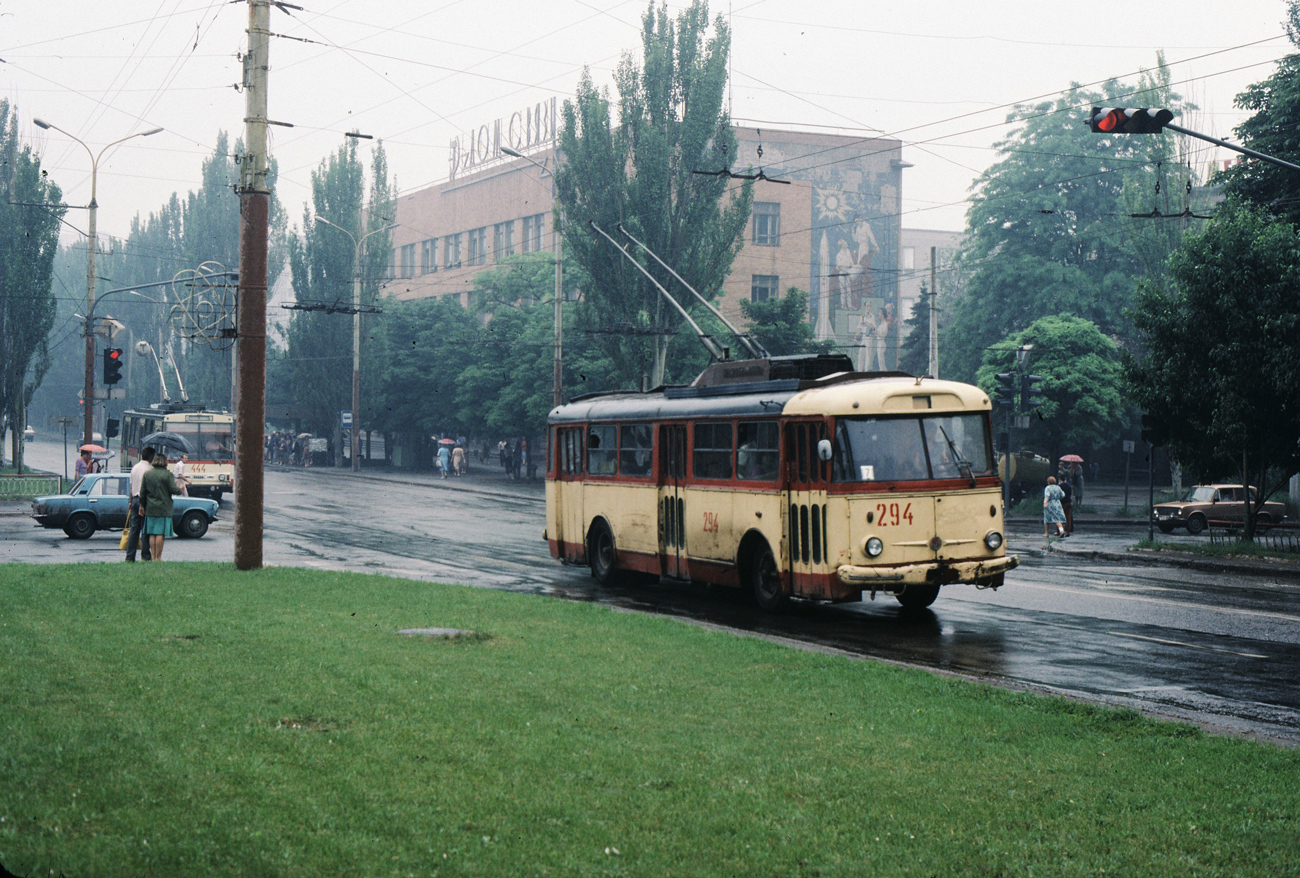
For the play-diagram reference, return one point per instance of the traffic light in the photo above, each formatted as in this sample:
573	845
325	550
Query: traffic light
112	365
111	428
1029	390
1006	390
1154	431
1129	120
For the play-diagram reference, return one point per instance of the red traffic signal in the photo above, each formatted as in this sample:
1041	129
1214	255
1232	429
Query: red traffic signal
112	365
1129	120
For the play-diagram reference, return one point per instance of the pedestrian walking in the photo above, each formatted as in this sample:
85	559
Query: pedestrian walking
444	459
458	460
135	518
1053	514
157	487
1067	504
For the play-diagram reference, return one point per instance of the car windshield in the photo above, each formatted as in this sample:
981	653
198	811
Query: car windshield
912	448
1199	494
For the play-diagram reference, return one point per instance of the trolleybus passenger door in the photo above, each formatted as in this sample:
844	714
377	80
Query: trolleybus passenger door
672	501
804	515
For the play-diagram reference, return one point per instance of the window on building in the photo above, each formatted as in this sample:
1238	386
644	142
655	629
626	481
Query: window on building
532	240
764	286
429	256
909	258
451	251
767	223
477	246
503	240
408	260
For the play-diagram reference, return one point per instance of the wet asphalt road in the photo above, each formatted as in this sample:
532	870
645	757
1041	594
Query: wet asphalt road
1218	648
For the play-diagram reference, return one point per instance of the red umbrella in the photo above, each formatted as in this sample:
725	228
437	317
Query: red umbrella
98	449
1071	458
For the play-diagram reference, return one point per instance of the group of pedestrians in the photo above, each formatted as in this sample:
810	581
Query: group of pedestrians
151	507
285	449
516	459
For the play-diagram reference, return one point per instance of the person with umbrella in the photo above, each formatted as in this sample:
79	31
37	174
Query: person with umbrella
444	456
86	463
157	488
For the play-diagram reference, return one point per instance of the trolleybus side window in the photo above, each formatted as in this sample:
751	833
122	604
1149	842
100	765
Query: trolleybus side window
758	454
568	450
602	449
712	450
636	442
801	448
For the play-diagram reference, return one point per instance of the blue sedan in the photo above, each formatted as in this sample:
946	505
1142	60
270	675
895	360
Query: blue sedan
101	502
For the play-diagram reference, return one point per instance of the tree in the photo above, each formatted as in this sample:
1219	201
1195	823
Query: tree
1045	234
322	264
781	324
1276	105
1081	382
29	239
1220	362
671	123
914	353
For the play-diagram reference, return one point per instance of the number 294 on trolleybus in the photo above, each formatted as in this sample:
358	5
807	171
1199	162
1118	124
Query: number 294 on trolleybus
789	477
211	468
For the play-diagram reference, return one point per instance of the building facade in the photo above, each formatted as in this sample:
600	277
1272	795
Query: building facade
831	226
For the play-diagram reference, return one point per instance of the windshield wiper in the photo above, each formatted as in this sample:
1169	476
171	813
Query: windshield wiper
963	465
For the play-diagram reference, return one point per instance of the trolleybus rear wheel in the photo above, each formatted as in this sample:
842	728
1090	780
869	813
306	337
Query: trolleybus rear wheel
917	597
765	580
604	559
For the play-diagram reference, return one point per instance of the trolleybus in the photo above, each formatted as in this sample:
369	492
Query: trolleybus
211	468
792	477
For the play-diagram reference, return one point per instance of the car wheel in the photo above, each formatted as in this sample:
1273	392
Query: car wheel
80	527
1165	527
194	524
1196	524
765	580
917	597
604	558
1263	518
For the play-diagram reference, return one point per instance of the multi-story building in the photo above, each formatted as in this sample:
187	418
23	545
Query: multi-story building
831	227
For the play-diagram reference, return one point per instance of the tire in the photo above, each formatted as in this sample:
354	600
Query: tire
603	555
917	597
194	524
1196	524
80	527
1263	518
765	580
1165	527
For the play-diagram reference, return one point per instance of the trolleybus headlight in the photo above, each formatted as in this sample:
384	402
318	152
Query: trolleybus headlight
874	547
993	540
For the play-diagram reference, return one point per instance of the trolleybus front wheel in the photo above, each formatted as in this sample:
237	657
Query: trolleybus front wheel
765	580
917	597
604	560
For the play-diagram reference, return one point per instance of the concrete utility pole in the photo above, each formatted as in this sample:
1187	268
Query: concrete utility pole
934	313
254	211
92	248
356	331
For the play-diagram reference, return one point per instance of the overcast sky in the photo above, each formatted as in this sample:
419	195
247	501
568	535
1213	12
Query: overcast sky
938	74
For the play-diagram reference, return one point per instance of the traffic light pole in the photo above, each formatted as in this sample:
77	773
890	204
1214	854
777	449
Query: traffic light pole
1226	145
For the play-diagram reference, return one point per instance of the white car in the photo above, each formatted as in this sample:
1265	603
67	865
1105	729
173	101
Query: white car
29	434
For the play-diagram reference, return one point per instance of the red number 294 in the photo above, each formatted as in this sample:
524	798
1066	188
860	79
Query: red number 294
889	514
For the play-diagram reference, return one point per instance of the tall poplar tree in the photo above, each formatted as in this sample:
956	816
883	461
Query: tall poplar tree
639	170
29	240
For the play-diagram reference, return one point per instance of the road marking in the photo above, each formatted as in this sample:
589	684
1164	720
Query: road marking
1189	645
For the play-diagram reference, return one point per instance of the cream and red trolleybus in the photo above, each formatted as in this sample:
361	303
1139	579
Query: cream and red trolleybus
791	477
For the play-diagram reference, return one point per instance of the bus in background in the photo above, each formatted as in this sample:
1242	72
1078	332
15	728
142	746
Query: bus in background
211	468
791	477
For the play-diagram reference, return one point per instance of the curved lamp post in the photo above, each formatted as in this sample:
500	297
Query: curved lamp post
88	401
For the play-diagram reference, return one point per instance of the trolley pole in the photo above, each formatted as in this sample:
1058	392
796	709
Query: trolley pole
255	203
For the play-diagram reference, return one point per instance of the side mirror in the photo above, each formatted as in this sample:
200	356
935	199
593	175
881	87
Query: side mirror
824	450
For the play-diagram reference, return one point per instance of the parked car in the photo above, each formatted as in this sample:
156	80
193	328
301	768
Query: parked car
29	434
101	501
1204	504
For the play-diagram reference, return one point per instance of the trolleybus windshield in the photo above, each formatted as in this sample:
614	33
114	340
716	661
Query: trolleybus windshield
210	441
912	449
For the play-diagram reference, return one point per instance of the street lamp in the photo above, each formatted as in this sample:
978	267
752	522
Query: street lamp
558	380
356	331
88	391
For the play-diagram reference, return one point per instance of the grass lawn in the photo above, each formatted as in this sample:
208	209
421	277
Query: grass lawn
183	719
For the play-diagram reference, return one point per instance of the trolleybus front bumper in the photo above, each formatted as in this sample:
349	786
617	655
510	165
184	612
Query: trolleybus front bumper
928	573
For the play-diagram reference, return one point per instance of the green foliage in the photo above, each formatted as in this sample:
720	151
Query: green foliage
322	260
29	239
1081	382
914	353
1044	229
1272	131
781	325
639	172
1221	358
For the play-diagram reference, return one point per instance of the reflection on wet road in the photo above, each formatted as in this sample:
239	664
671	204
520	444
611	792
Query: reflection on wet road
1219	649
